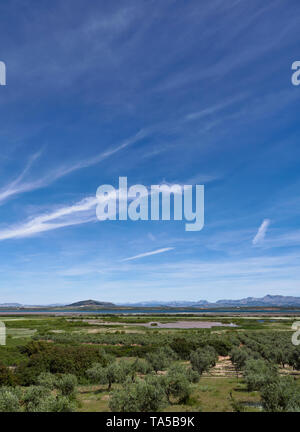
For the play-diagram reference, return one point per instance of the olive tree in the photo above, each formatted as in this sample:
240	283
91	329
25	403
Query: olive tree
160	359
146	395
238	358
67	384
281	396
176	384
113	373
203	359
9	399
259	373
47	379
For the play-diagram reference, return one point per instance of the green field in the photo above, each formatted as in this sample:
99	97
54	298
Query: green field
92	363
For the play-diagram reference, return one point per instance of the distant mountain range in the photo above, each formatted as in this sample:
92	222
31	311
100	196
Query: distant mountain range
79	304
178	303
266	301
10	305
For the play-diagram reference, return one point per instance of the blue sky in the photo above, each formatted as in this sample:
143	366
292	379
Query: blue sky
172	91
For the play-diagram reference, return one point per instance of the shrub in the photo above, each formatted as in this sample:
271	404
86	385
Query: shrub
60	359
259	373
7	378
160	359
142	366
192	375
107	375
142	396
183	348
9	399
66	384
34	397
176	384
47	379
238	358
62	404
203	359
281	396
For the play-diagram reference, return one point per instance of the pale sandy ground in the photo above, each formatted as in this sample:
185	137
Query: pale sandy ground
224	368
178	324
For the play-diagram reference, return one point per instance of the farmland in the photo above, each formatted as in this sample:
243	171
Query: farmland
149	363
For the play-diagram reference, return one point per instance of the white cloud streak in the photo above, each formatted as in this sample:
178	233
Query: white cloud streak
16	186
146	254
19	186
213	109
260	235
81	212
76	214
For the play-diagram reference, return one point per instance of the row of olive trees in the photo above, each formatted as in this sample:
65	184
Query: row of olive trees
183	342
271	346
153	392
143	388
278	393
120	371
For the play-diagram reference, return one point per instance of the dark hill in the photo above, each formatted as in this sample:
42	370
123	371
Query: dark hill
90	303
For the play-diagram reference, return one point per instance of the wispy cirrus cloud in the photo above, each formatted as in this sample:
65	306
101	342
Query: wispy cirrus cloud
146	254
78	213
20	185
211	110
16	186
260	235
81	212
